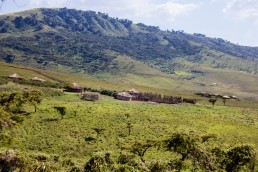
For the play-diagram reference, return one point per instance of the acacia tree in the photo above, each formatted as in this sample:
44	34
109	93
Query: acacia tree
182	144
235	158
140	149
61	110
213	101
33	97
13	102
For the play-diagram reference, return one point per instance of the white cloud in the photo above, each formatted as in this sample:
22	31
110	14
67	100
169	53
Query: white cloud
154	12
242	9
47	3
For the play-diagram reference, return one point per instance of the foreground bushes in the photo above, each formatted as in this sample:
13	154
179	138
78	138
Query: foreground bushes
193	154
13	160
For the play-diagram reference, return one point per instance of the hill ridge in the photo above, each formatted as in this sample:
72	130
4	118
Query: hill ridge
118	50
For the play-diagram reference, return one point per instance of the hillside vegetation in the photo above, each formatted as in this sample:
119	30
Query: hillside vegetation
118	50
113	135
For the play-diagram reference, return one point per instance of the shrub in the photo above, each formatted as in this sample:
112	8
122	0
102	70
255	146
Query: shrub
11	162
61	110
99	163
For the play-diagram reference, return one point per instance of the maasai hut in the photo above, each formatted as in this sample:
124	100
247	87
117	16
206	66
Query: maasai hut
37	79
74	87
135	94
89	96
124	96
15	76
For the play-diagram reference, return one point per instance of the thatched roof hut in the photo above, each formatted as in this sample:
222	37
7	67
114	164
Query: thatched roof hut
75	87
124	96
234	97
133	92
38	79
89	96
226	97
15	76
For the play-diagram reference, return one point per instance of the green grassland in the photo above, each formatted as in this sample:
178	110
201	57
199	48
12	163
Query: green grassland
45	134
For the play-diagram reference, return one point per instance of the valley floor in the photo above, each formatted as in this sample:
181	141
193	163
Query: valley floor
106	123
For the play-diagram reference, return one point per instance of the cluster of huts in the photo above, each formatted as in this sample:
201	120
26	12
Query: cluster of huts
131	95
15	76
134	95
210	95
85	95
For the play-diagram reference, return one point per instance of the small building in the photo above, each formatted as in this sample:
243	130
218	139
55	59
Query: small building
134	92
124	96
15	76
213	84
226	97
74	87
234	97
89	96
38	79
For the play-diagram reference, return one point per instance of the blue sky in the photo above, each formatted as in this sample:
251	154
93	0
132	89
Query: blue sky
232	20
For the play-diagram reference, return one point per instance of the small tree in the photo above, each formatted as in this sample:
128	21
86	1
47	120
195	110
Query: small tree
239	156
224	101
127	115
129	126
140	149
61	110
13	102
235	158
182	144
33	97
99	131
213	101
99	163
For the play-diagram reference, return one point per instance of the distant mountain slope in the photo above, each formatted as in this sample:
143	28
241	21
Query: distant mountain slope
93	43
47	37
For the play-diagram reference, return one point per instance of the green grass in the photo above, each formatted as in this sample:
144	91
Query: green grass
44	132
47	133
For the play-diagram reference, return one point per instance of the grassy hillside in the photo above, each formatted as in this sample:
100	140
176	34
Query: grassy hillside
228	82
45	140
132	55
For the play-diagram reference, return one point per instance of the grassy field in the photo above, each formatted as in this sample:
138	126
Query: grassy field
93	128
44	132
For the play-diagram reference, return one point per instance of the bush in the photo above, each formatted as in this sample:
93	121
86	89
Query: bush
108	92
3	81
10	161
157	166
99	163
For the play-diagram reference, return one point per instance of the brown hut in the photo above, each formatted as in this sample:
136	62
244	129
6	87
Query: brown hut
133	92
15	76
234	97
38	79
226	97
75	87
124	96
89	96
